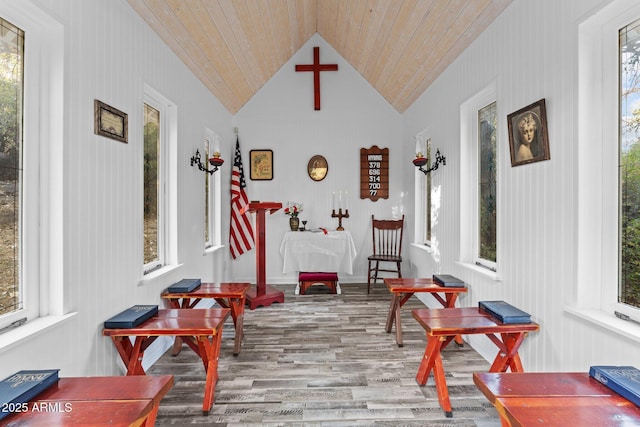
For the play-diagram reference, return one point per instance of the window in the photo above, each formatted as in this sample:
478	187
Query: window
487	124
159	213
427	197
11	178
607	209
152	220
424	190
30	128
211	194
629	169
478	181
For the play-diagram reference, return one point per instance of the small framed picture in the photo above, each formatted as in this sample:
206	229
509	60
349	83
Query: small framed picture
261	165
317	168
528	138
110	122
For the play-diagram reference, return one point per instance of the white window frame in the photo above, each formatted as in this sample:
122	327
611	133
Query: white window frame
212	143
423	212
469	173
596	296
167	197
41	274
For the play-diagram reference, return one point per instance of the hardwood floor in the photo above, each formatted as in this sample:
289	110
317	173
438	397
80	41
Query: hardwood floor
325	360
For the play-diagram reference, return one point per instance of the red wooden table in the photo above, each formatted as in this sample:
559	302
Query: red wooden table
200	329
442	325
403	288
555	399
130	413
96	401
228	295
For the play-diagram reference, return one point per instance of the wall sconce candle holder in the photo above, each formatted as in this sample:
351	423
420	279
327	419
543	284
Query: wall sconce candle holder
214	161
420	161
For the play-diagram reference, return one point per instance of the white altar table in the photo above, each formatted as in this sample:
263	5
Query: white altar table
316	251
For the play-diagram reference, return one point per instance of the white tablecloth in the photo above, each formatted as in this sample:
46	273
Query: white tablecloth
316	251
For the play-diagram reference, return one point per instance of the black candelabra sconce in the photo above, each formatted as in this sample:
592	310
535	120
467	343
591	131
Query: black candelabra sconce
214	161
420	161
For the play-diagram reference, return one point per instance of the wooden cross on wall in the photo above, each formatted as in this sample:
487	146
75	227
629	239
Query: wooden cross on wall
316	67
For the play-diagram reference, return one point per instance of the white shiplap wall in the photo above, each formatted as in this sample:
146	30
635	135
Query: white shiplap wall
529	52
353	115
110	54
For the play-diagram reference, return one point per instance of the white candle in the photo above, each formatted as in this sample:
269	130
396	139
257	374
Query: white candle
340	199
346	201
334	201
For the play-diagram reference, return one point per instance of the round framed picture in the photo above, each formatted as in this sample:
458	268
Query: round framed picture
317	168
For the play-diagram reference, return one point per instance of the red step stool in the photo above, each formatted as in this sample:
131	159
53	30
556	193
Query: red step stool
307	279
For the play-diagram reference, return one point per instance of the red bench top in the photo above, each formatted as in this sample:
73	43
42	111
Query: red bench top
304	276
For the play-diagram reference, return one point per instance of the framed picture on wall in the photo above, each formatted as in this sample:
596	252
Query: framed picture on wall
528	139
261	162
110	122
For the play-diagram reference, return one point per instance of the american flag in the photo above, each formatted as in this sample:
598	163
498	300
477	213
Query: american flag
241	229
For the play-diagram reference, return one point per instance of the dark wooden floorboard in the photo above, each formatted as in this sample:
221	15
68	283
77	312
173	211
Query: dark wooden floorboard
325	360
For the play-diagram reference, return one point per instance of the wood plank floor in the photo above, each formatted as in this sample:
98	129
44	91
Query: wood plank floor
325	360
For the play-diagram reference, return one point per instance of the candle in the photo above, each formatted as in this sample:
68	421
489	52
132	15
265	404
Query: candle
420	147
334	201
216	145
346	201
340	199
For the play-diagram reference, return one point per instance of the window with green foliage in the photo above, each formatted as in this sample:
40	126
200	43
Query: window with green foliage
11	113
487	124
152	256
629	178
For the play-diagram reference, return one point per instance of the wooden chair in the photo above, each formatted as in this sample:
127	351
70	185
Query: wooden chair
387	247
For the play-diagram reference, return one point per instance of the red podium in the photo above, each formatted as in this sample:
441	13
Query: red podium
262	294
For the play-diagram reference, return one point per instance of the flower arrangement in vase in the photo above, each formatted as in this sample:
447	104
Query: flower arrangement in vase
293	209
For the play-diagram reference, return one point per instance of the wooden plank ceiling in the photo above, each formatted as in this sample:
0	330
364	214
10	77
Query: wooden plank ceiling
399	46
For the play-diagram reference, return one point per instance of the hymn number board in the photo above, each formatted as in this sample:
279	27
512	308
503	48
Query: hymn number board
374	173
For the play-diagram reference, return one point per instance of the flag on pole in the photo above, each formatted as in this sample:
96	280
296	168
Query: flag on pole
241	230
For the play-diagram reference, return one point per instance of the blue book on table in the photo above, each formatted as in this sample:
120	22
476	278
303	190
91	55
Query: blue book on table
184	285
131	317
448	281
624	380
22	387
505	312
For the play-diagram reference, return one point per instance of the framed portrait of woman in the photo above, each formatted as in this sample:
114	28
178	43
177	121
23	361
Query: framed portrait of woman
528	137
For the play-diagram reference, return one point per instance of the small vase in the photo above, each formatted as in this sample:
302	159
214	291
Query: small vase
294	223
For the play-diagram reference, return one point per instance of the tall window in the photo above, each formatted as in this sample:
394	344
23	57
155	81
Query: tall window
629	169
152	199
11	190
423	205
427	197
487	122
211	193
207	198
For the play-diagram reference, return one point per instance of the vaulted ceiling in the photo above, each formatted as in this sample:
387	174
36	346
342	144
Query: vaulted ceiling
399	46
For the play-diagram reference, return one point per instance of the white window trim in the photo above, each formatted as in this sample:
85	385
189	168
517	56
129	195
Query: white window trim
43	128
420	185
42	220
168	205
469	210
214	197
597	229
